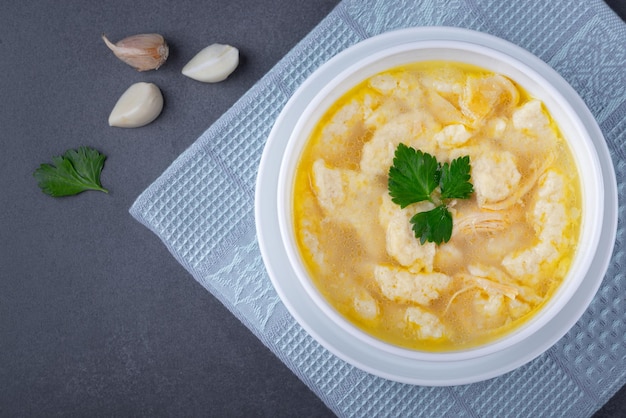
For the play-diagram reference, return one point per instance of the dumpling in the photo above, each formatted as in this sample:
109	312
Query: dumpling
404	286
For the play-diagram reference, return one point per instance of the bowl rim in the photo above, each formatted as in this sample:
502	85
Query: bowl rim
413	35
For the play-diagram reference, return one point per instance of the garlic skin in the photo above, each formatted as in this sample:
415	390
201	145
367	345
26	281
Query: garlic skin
143	52
140	104
212	64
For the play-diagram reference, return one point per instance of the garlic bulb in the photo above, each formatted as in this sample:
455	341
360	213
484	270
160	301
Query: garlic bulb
214	63
138	106
143	52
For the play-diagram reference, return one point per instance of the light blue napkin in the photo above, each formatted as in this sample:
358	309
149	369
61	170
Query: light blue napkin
202	208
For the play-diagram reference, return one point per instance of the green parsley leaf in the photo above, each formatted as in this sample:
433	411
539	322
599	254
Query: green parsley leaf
413	176
455	179
72	173
434	225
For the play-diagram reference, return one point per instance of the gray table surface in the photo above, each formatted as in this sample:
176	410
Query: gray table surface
96	317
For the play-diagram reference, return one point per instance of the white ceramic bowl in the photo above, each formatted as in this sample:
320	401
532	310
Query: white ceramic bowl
372	56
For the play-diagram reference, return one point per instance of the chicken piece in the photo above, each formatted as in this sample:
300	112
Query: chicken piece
486	309
401	243
479	221
365	305
496	309
489	272
495	177
491	286
444	111
403	286
524	187
501	282
490	294
549	218
483	96
452	136
425	324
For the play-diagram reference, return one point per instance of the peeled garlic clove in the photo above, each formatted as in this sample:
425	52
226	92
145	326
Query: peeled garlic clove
138	106
143	52
214	63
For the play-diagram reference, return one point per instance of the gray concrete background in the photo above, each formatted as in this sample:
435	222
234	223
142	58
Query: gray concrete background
96	317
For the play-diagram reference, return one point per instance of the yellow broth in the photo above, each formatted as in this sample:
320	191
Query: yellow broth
513	239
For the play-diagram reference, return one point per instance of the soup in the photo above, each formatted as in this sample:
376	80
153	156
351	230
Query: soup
512	239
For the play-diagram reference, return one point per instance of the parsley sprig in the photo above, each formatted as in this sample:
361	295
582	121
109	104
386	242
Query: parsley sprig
415	176
72	173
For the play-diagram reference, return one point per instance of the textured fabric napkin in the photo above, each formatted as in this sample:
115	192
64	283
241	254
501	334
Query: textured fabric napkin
202	208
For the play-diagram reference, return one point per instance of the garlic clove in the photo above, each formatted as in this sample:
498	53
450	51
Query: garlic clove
212	64
143	52
140	104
